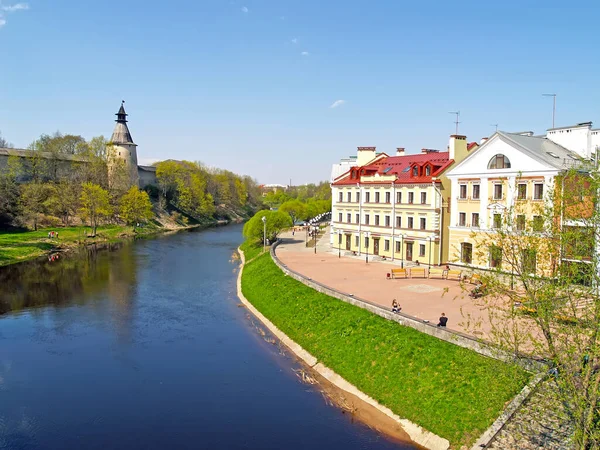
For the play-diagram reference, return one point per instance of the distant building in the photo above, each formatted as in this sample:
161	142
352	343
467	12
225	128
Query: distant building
342	167
396	206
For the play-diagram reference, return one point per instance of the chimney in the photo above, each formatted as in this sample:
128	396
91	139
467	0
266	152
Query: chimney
400	151
483	140
365	155
457	147
429	150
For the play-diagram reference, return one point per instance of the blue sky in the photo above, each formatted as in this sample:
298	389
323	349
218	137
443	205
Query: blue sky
227	83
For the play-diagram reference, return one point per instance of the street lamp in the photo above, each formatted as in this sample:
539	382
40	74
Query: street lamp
430	238
367	234
315	232
402	236
339	243
264	220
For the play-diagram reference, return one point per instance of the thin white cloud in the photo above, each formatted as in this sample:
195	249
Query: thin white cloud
295	41
244	9
15	7
305	53
337	103
7	9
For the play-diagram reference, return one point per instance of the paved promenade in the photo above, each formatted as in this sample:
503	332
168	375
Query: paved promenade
422	298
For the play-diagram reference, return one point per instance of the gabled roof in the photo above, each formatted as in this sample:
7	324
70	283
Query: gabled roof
471	145
400	166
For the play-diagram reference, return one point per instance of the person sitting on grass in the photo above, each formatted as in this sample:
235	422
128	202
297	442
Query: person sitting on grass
443	321
395	306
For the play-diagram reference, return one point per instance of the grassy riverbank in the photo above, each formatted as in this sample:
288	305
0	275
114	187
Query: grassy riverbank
17	246
450	391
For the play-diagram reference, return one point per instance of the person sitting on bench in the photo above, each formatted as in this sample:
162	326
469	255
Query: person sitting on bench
395	306
443	321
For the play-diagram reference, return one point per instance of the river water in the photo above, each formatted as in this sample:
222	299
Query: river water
146	347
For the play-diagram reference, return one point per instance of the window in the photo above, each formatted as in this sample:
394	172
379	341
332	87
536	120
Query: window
522	191
387	197
398	247
398	197
399	221
349	197
528	261
411	198
497	192
538	191
466	253
495	256
387	221
475	220
499	162
462	192
339	217
367	197
497	220
423	198
376	220
358	218
366	243
415	171
356	241
538	223
475	192
349	218
341	197
386	245
462	219
376	197
410	222
358	197
427	171
422	223
520	222
421	249
366	219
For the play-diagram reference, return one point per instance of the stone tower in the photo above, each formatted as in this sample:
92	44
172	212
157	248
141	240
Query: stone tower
122	154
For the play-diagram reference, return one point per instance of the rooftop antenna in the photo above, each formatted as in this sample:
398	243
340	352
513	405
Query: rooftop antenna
495	125
553	106
457	117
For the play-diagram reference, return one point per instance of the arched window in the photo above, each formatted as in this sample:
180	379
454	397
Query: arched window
499	162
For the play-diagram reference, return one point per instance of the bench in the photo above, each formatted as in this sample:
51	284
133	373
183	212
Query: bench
399	273
417	272
454	275
475	279
437	273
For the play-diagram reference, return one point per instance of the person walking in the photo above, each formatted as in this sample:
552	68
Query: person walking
443	321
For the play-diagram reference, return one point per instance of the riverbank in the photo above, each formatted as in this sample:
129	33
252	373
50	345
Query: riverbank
19	246
450	391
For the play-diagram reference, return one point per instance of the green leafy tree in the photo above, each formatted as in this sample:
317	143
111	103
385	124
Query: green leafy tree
136	207
33	202
63	200
294	208
543	294
95	205
276	221
9	189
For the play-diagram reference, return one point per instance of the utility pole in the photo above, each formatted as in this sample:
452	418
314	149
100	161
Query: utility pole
553	106
456	121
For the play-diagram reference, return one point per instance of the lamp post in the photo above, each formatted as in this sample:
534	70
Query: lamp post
402	251
339	243
367	234
315	232
430	240
264	221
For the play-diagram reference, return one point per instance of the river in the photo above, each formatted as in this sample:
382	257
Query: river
145	346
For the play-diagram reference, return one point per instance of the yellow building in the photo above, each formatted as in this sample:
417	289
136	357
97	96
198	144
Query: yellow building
396	207
502	184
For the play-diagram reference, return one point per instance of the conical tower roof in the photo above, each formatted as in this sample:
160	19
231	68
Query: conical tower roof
121	134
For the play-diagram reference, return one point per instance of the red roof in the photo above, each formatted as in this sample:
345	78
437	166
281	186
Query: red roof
402	167
471	145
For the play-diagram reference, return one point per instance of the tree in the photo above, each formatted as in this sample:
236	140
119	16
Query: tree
276	221
95	205
63	199
543	295
136	207
9	189
33	201
294	208
4	143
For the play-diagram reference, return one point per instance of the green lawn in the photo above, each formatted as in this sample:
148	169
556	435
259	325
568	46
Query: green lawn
22	245
450	391
251	249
